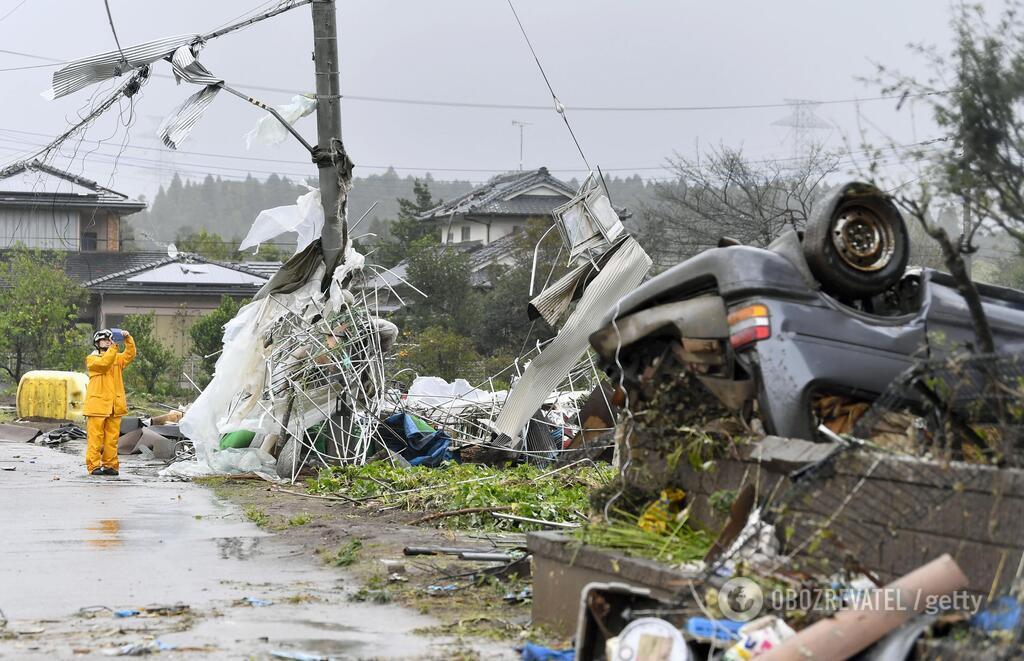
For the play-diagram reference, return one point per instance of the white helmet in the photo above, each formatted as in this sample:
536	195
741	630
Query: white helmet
102	334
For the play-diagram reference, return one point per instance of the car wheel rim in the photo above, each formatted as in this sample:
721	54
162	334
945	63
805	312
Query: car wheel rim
862	239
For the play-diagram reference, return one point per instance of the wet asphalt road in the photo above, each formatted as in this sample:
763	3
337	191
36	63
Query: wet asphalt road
70	540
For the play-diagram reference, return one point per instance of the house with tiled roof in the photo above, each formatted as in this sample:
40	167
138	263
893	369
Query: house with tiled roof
177	289
500	207
47	208
80	222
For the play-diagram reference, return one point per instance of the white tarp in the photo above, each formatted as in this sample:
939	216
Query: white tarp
434	393
232	400
268	130
305	218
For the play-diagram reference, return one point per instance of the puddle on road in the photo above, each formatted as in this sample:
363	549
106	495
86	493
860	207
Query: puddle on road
240	548
324	647
109	531
326	626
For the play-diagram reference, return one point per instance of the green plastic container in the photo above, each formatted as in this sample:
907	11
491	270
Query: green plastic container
237	439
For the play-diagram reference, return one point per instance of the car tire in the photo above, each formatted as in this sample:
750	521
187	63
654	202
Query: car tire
857	245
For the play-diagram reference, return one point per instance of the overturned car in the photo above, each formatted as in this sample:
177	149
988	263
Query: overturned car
832	312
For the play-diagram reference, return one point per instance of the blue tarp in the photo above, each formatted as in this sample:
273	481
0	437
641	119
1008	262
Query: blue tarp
418	447
532	652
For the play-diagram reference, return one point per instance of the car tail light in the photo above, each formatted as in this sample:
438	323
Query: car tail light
748	325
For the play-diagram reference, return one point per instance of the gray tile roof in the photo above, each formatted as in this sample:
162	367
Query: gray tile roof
108	272
493	252
265	269
39	181
498	197
118	282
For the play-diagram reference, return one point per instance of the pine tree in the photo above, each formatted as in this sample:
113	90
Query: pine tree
408	229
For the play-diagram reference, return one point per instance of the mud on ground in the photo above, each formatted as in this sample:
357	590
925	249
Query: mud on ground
361	538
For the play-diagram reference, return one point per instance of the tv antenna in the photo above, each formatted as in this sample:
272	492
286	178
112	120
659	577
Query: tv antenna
521	124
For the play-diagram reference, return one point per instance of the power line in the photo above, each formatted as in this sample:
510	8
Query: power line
442	103
16	8
642	168
559	108
110	18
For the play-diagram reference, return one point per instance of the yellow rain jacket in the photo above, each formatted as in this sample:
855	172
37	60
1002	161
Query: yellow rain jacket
105	395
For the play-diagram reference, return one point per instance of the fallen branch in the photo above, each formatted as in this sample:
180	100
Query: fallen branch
310	495
464	510
539	522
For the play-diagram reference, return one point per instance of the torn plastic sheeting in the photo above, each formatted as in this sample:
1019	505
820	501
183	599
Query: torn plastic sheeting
623	272
305	218
434	393
232	399
79	74
268	131
227	461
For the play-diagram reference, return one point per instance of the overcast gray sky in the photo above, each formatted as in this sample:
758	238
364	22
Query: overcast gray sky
597	53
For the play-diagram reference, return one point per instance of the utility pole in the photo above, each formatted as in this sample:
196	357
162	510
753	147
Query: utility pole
520	124
328	126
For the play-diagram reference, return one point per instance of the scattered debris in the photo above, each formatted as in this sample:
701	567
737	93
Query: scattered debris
254	602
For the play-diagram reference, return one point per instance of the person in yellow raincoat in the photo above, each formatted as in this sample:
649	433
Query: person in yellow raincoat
105	400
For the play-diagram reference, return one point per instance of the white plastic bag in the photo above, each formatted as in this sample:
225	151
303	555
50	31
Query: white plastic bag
268	131
305	218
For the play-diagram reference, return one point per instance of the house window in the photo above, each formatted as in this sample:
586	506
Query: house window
465	232
88	241
113	320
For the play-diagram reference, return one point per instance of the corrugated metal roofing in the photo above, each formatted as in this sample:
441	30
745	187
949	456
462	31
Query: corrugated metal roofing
79	74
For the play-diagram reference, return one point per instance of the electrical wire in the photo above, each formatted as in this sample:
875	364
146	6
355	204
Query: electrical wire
16	8
110	18
528	107
559	108
664	167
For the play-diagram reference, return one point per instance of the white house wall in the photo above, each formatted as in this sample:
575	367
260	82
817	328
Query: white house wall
41	227
174	315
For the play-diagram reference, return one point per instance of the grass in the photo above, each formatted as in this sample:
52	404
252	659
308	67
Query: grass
257	516
375	590
300	519
345	556
528	491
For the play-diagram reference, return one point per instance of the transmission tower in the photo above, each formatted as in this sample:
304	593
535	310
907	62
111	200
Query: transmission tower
801	121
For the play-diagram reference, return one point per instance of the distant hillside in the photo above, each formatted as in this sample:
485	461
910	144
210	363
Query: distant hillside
228	207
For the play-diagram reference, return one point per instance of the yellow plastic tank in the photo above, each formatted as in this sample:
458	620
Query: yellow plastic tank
52	394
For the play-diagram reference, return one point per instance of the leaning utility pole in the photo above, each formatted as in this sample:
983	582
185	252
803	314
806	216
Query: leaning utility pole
328	127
